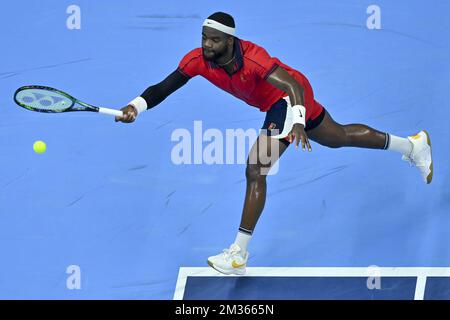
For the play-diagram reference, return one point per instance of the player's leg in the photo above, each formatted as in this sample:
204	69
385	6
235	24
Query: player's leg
331	134
416	149
264	153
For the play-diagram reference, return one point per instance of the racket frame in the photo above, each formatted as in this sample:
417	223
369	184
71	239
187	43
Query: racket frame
72	107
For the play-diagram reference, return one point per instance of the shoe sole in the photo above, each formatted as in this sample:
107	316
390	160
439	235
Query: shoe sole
239	272
430	175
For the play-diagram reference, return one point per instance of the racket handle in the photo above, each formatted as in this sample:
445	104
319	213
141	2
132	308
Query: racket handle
111	112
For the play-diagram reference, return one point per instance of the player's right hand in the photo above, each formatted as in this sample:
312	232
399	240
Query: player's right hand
298	133
129	114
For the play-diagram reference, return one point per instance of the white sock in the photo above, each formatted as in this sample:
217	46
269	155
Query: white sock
242	240
402	145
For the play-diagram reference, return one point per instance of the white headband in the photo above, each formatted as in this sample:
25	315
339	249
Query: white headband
218	26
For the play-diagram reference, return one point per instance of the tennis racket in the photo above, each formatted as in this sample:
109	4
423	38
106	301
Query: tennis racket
51	100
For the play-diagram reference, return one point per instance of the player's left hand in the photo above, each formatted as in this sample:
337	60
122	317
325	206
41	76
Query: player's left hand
298	132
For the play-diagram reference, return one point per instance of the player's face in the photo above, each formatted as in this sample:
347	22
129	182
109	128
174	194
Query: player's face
214	44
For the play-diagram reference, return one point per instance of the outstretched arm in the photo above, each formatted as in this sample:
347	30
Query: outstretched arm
153	96
282	80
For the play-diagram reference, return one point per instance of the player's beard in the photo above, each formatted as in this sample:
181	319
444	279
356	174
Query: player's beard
214	56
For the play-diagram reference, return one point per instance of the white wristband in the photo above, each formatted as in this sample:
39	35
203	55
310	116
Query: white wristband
299	114
139	103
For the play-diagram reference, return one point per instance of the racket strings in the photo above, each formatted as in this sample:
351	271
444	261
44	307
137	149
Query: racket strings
43	100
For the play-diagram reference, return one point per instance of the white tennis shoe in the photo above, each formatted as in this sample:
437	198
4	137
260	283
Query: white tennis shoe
230	261
420	155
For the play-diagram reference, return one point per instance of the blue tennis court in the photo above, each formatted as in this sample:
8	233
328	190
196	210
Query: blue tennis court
106	212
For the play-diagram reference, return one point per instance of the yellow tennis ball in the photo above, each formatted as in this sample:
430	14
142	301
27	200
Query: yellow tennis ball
39	147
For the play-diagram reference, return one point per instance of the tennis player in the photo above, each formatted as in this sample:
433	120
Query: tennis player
248	72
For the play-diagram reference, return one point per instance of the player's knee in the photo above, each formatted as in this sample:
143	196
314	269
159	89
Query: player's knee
254	172
341	139
334	144
337	142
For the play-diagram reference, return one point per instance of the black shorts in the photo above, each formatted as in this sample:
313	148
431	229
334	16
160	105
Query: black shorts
276	115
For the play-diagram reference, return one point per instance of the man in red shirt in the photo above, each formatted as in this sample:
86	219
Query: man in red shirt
248	72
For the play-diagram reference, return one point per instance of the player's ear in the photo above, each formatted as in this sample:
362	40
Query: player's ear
230	41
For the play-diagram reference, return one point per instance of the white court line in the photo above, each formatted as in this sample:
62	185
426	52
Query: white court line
420	287
420	272
181	284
